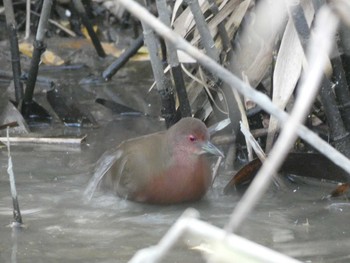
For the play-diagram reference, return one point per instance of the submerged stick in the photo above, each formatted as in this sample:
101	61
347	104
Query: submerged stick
16	211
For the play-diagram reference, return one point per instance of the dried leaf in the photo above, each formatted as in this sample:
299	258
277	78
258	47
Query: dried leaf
48	57
287	70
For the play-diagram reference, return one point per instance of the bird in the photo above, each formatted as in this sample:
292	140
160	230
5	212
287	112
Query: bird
166	167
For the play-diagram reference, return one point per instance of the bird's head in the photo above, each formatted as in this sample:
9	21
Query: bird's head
191	136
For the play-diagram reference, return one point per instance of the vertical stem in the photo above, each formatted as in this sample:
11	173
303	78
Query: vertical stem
15	57
39	48
27	34
44	19
16	63
206	38
209	46
221	27
185	107
162	82
338	133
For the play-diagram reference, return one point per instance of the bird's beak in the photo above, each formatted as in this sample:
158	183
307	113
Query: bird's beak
208	147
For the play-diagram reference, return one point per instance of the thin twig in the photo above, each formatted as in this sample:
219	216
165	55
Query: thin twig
66	30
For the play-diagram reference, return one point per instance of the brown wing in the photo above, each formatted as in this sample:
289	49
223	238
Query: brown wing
141	160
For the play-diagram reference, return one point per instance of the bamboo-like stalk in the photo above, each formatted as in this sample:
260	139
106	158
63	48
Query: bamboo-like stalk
15	58
208	43
185	107
39	48
206	38
27	32
163	84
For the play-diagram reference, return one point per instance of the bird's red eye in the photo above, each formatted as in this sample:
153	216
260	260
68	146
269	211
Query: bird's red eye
192	138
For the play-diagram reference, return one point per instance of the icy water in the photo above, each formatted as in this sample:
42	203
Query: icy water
61	226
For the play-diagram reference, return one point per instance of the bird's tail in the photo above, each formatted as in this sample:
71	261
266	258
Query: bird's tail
103	165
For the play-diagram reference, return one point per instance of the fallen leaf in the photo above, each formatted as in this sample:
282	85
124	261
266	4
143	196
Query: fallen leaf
48	57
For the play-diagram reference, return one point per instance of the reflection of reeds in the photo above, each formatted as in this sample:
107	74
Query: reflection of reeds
16	211
251	59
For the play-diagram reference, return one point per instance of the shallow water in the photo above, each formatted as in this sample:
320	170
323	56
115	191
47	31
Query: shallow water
61	226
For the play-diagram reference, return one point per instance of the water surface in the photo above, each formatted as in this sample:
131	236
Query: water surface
61	226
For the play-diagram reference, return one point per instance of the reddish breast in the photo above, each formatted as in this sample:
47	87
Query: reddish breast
185	181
